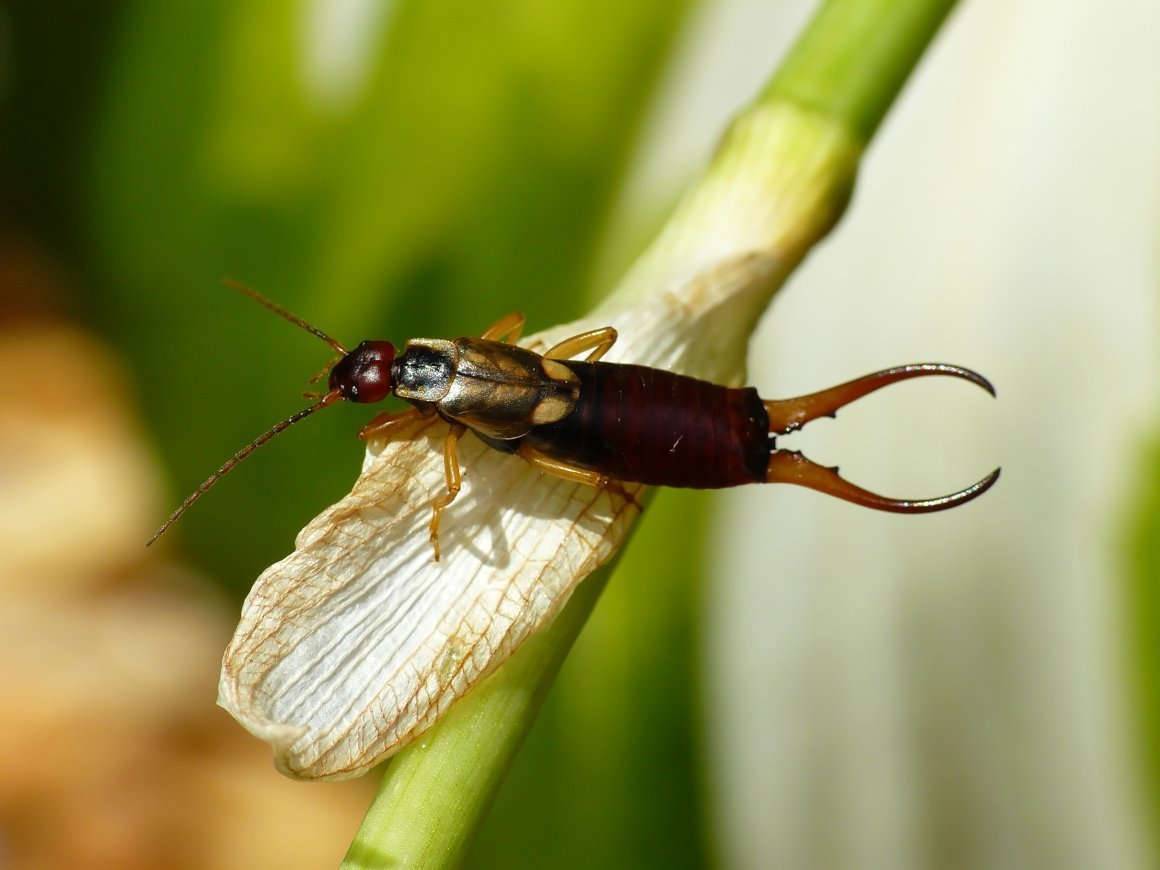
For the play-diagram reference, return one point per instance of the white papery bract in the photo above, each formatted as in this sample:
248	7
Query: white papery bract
359	640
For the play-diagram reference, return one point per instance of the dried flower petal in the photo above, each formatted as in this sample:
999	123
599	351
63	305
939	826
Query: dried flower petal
359	641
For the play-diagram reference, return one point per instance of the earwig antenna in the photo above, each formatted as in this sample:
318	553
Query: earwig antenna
328	399
277	309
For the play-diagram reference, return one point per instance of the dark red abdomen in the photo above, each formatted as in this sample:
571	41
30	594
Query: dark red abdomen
648	425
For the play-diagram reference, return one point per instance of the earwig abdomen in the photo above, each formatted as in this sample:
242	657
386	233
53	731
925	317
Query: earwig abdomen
645	425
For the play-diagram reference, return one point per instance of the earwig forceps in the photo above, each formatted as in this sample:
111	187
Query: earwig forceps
790	466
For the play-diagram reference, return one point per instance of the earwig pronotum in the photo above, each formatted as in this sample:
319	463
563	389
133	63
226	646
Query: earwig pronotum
591	422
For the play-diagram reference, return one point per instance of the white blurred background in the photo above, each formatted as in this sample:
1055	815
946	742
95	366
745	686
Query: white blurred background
948	690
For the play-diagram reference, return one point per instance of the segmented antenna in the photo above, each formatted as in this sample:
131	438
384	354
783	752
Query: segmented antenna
279	310
328	399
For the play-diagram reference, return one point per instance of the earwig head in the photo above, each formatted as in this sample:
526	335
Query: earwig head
364	374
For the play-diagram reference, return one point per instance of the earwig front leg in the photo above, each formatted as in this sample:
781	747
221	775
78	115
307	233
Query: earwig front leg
454	481
387	425
507	329
596	340
564	471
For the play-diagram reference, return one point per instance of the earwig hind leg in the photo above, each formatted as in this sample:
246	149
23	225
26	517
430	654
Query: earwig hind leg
572	473
388	425
454	481
507	329
596	340
563	470
789	466
788	415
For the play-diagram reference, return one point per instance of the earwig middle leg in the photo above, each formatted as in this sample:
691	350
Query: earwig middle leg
454	481
596	340
507	329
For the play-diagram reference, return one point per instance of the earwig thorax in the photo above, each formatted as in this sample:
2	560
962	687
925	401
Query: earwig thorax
365	374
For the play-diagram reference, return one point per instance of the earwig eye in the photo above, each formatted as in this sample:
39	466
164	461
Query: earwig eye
364	374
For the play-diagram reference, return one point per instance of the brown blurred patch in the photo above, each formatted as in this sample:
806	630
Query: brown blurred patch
113	751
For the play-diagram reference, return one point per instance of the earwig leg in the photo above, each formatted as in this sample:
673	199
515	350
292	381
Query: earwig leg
596	340
454	481
507	329
788	415
388	424
789	466
572	473
563	470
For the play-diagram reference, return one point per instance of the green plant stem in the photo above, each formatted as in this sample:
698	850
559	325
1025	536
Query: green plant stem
853	59
435	792
842	75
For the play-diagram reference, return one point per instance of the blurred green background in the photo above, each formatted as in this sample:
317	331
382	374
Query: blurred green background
845	692
420	173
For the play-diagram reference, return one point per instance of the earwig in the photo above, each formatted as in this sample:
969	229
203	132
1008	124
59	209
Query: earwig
591	422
